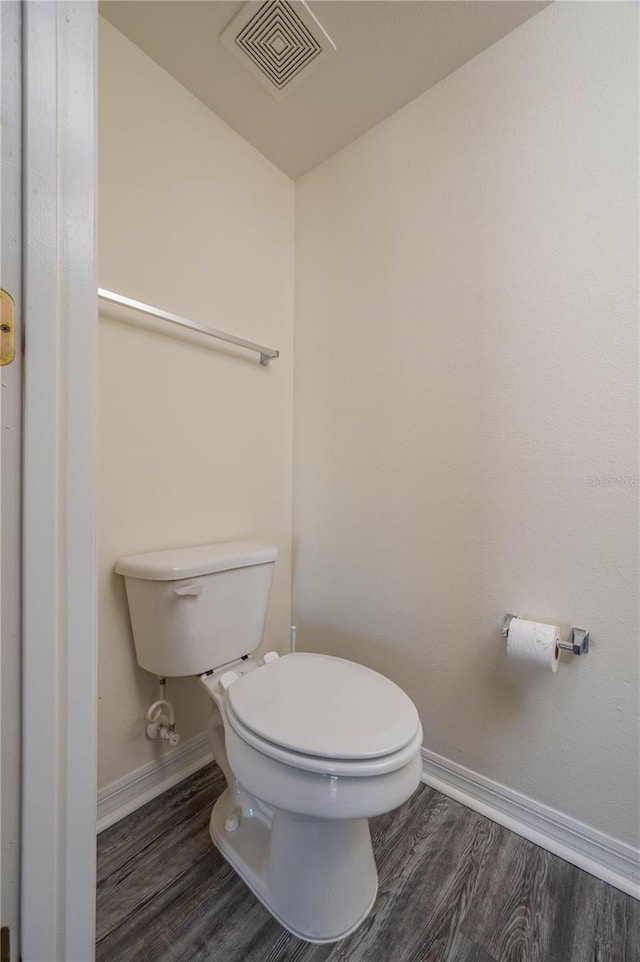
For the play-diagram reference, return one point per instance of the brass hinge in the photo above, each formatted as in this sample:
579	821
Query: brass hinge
7	339
5	937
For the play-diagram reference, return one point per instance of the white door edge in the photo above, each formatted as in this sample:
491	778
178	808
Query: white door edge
59	567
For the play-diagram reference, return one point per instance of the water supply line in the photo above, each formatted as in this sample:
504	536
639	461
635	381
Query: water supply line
161	719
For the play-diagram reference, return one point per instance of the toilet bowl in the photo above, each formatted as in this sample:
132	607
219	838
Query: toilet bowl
311	745
303	780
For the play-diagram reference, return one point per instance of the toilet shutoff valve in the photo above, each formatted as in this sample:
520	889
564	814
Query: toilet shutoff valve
161	723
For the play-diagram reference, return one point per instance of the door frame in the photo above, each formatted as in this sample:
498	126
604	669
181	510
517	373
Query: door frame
10	476
59	558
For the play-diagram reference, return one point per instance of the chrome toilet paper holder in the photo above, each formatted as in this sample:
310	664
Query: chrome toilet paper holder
579	644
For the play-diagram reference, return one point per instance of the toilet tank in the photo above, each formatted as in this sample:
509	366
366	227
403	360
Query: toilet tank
194	609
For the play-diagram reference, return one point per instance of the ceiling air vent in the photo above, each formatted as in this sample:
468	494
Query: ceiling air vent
280	42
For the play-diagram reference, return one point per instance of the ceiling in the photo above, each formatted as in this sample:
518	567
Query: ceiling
388	52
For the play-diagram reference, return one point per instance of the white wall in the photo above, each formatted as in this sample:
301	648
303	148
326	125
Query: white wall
465	361
195	442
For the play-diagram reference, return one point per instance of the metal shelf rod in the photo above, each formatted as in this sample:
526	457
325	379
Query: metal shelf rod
266	353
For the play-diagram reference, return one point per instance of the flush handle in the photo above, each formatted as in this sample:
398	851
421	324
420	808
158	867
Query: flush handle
188	591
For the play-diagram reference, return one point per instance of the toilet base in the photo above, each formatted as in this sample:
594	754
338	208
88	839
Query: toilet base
317	877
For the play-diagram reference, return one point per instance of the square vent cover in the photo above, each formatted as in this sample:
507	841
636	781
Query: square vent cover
279	41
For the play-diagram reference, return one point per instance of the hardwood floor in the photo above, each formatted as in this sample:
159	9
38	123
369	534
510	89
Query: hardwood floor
454	887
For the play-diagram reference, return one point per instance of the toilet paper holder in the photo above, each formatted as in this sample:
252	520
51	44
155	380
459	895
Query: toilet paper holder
579	644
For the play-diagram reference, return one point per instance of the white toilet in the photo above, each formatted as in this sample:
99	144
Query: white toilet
311	745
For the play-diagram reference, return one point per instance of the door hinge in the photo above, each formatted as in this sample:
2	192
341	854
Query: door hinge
7	334
5	944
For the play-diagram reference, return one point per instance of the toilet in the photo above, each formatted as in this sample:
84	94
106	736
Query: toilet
311	746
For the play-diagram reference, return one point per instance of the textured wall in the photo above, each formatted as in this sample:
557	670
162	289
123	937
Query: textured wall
195	443
465	366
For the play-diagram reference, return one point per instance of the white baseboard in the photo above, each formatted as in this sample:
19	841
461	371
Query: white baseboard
599	854
134	790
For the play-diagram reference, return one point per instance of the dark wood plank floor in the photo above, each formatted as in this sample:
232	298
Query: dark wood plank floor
454	887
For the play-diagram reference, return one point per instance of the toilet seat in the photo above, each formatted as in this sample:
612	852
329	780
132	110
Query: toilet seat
325	765
324	714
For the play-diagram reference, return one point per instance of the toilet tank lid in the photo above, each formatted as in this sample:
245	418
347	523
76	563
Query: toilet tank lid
178	563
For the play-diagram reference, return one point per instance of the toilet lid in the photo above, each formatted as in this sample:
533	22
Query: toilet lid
319	705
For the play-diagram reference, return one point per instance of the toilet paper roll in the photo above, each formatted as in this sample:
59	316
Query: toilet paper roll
533	643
